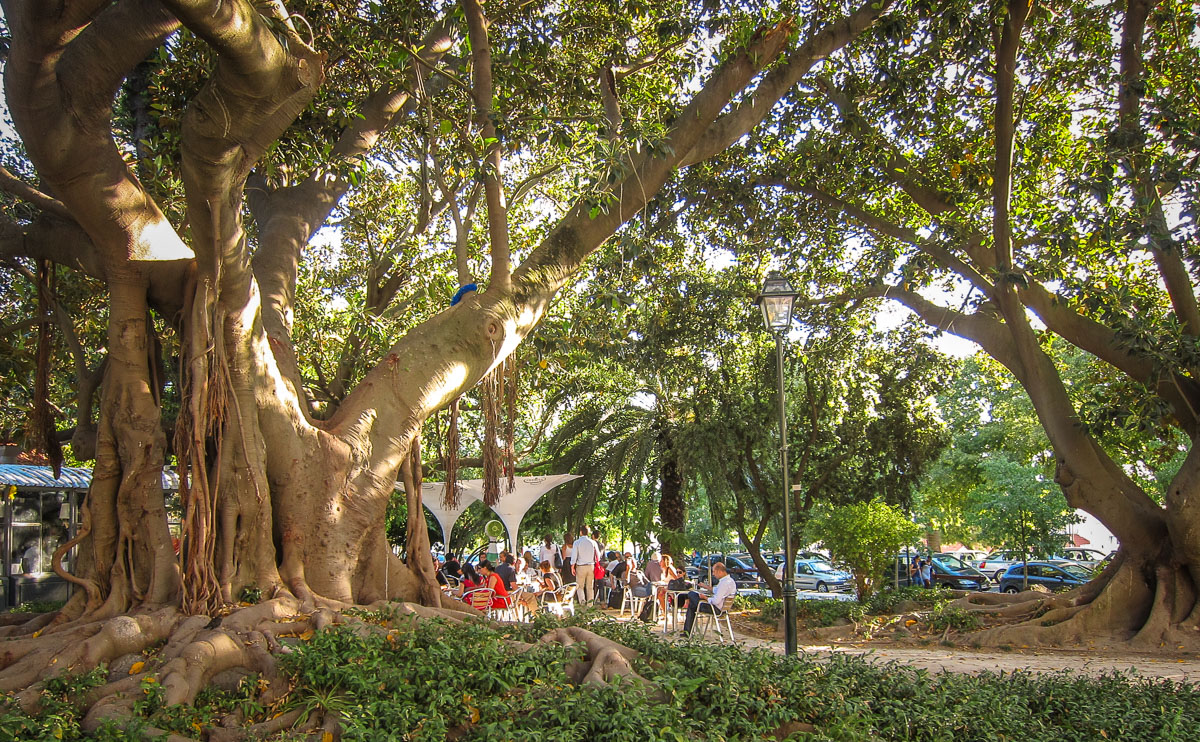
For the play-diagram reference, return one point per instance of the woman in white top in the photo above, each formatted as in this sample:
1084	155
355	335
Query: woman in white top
547	551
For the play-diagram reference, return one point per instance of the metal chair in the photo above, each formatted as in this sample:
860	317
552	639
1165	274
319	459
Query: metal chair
629	599
671	616
512	608
480	599
715	617
563	600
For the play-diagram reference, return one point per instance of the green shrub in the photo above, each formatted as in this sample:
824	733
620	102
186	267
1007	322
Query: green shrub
945	616
885	601
39	606
472	682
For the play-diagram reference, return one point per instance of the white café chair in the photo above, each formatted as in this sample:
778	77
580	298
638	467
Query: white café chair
716	617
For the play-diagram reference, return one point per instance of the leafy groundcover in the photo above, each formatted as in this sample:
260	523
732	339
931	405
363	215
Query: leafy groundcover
433	681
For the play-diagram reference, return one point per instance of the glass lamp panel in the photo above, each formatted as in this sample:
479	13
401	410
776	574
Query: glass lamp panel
777	311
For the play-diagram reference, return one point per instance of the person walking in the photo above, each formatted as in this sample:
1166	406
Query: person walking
927	572
584	554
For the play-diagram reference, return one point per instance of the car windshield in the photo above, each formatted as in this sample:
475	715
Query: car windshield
819	566
952	563
1077	571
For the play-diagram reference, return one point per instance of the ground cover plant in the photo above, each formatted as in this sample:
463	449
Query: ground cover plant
390	677
822	613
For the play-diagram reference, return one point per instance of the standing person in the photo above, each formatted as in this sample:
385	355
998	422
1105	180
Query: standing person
600	545
547	552
567	572
927	572
914	574
584	554
722	591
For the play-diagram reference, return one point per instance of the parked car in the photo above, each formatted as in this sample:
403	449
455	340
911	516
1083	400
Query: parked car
953	572
742	571
1046	574
1082	556
997	562
970	556
948	571
819	575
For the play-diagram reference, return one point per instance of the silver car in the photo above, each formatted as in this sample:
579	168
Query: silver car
819	575
997	563
1089	558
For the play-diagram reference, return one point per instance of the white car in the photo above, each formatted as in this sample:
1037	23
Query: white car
819	575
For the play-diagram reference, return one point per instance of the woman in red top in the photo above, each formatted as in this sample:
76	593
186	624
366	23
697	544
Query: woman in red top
492	580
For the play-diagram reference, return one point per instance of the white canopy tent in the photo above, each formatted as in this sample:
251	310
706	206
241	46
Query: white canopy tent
511	509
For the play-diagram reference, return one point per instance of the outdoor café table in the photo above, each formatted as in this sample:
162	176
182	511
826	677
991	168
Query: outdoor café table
671	618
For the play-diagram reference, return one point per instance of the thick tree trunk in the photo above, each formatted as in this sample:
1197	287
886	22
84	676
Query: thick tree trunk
672	509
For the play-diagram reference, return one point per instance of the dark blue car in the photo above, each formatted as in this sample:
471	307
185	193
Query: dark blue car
1050	576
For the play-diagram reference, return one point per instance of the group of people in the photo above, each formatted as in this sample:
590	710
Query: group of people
512	580
921	572
521	580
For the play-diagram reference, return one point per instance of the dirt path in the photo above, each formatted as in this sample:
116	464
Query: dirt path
936	658
939	658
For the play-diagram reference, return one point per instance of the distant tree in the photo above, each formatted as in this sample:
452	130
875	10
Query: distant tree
864	535
1020	510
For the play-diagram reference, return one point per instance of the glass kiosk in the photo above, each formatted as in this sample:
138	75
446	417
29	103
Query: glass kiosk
39	513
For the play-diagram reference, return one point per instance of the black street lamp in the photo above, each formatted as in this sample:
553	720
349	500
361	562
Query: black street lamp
776	301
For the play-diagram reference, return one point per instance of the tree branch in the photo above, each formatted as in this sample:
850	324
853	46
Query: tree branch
1130	135
481	92
54	81
879	224
13	185
746	115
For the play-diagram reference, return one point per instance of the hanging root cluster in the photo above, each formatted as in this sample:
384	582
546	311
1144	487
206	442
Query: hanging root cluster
205	372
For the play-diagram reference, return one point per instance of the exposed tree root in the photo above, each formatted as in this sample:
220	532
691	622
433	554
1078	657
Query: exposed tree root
1123	609
194	649
604	661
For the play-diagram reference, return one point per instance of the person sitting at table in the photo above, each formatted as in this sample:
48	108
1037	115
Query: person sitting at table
639	585
507	571
653	570
492	580
548	581
452	567
722	591
470	579
672	576
530	568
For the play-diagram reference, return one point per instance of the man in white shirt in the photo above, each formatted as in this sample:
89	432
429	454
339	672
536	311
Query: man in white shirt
584	554
722	592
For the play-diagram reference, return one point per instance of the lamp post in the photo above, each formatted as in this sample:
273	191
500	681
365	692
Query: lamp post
776	301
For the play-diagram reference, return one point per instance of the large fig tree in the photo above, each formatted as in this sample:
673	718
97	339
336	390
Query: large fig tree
184	153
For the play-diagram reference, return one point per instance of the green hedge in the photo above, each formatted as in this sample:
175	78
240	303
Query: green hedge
470	681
